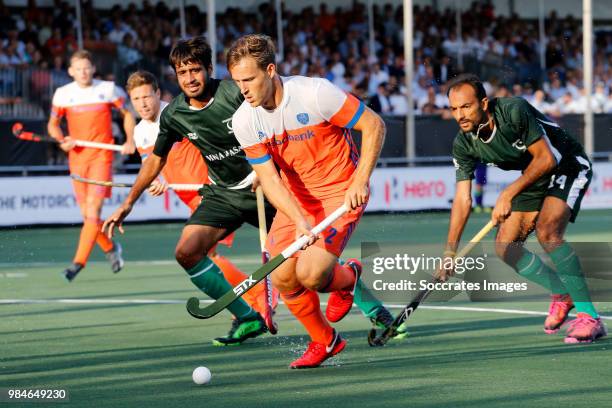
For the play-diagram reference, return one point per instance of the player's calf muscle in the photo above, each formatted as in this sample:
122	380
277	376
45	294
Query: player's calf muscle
284	279
314	275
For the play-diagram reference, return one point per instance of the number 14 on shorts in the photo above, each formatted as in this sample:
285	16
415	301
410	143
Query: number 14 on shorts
559	180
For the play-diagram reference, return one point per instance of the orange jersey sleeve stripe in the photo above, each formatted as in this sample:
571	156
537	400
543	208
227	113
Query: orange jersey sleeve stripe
349	113
58	111
257	154
119	103
145	151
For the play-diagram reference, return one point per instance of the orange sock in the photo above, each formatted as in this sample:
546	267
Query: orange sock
104	242
342	277
87	240
304	304
255	297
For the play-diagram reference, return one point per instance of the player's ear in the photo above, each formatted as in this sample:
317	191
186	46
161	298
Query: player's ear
271	70
484	103
71	71
158	93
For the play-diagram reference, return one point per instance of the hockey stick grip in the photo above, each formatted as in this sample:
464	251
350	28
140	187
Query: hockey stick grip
96	145
297	245
475	240
185	187
261	217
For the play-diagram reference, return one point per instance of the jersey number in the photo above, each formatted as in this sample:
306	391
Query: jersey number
560	181
332	234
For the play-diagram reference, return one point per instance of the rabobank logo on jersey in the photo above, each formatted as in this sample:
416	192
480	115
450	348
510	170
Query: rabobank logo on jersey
302	118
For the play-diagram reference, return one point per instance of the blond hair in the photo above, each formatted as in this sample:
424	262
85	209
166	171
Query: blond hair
140	78
260	47
81	54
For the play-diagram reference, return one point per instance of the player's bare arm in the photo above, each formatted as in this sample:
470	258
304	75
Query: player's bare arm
129	122
148	172
373	131
55	131
279	196
543	162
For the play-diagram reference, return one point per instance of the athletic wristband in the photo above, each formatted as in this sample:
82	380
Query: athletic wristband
449	253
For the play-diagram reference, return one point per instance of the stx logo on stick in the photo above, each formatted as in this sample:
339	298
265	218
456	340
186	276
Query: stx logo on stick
244	286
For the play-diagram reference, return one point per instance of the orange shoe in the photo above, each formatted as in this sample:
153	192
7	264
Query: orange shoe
585	329
557	313
317	353
340	302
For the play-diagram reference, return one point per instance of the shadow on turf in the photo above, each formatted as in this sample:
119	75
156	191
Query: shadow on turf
54	329
124	376
130	374
71	308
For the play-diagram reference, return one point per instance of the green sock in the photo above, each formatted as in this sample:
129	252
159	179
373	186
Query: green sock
365	300
209	279
531	267
570	273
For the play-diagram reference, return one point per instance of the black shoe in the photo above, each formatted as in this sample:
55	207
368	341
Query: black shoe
383	318
241	330
71	272
114	257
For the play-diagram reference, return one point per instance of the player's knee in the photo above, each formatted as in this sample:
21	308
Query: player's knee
284	283
547	233
185	257
500	248
309	276
505	250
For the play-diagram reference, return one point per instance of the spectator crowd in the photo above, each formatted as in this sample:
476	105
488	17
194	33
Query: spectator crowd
326	43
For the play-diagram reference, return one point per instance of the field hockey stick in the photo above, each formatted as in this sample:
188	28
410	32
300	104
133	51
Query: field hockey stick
375	339
175	187
19	133
193	304
265	257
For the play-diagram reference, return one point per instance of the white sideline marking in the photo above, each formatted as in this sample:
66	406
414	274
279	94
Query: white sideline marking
13	275
159	262
96	301
486	309
176	302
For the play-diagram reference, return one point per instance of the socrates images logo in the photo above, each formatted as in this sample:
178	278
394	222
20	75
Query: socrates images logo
302	118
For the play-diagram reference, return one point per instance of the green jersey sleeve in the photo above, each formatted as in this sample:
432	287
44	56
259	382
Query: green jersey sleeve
166	136
464	162
524	121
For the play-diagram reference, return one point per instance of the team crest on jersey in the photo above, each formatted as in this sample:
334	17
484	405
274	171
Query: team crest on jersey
261	135
192	136
302	118
101	97
519	145
228	123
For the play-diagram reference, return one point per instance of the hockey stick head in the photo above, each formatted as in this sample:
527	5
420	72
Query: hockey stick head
375	340
193	308
17	129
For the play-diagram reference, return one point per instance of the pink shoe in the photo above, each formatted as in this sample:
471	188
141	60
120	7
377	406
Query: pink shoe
557	313
584	329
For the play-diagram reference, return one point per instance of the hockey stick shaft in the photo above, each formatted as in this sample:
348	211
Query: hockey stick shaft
263	235
19	133
175	187
422	295
193	304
